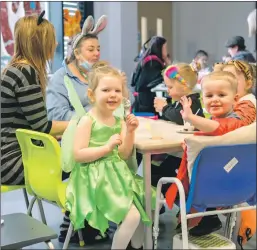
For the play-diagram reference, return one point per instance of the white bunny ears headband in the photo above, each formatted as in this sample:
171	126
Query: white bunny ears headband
89	29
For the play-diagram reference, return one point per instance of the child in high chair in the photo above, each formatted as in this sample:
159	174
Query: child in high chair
219	97
101	187
246	77
180	79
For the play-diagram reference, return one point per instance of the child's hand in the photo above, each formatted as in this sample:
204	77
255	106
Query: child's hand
186	103
124	78
115	140
159	104
131	123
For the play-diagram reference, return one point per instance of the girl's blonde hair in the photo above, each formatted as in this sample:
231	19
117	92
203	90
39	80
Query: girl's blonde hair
184	73
247	69
223	76
34	44
102	69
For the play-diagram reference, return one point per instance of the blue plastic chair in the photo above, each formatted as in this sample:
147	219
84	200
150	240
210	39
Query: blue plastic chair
212	186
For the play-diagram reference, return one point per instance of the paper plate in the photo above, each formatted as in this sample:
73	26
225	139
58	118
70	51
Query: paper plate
182	131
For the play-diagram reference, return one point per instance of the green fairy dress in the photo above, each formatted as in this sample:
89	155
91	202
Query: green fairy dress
105	189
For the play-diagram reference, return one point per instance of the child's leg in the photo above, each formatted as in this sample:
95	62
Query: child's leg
127	229
167	169
137	239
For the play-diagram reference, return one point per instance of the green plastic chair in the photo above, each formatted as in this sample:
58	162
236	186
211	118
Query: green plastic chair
43	173
9	188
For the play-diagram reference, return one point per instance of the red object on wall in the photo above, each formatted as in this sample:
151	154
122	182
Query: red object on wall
5	29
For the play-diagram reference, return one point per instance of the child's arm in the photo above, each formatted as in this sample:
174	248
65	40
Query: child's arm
128	136
170	113
84	154
198	122
246	111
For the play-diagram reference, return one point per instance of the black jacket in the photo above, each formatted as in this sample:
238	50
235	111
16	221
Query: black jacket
171	112
144	79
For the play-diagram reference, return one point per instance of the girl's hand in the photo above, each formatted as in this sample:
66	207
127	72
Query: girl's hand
115	140
131	123
186	112
124	78
159	104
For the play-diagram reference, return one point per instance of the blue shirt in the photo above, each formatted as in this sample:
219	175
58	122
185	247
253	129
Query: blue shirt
58	105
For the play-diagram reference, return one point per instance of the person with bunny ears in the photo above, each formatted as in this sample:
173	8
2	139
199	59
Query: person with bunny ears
84	52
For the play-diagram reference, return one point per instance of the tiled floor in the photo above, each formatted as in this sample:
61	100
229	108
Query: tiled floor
13	202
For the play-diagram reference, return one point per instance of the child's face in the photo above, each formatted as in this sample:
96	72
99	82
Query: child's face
175	89
218	97
243	87
108	94
203	60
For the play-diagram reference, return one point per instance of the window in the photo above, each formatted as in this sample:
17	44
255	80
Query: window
143	30
159	28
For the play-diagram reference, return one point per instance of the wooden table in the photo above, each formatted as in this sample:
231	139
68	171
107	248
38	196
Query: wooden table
169	142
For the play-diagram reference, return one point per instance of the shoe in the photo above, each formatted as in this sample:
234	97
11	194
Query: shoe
74	239
88	240
207	225
99	238
92	235
129	247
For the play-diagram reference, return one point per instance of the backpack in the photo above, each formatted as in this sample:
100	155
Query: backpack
140	66
67	158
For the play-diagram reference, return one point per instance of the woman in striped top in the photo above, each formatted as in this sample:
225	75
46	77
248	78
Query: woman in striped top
23	84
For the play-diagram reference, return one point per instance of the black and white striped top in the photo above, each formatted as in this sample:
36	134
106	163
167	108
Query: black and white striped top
22	106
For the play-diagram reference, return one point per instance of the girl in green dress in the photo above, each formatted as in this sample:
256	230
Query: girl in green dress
101	187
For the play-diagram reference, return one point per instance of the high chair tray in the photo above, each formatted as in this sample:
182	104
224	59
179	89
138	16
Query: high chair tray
210	241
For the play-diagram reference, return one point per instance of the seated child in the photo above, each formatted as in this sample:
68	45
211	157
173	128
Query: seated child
101	187
246	77
180	80
202	58
219	96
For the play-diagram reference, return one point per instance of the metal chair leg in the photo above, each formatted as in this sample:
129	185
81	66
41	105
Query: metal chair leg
41	211
29	212
26	197
81	239
157	214
50	244
68	236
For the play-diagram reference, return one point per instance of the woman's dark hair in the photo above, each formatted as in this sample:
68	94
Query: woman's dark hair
200	53
155	47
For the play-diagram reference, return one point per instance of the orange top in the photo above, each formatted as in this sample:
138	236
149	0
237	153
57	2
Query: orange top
246	111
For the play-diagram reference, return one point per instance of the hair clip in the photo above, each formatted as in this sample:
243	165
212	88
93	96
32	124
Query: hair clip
172	73
241	67
40	18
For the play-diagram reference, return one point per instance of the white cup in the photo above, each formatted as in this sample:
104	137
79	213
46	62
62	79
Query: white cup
160	97
188	126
